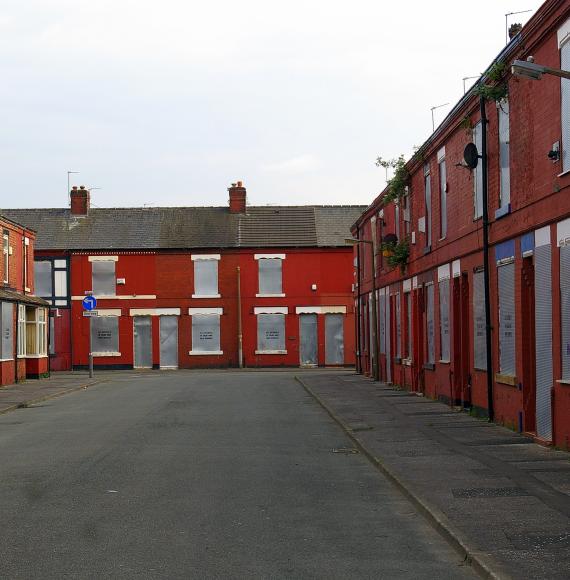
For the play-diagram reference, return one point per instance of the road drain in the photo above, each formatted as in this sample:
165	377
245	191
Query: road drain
346	450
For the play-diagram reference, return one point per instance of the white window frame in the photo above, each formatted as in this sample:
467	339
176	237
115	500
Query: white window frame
442	173
40	323
6	255
503	118
428	200
563	36
21	330
478	174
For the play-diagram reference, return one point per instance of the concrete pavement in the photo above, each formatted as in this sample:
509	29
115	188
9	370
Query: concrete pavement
201	475
499	497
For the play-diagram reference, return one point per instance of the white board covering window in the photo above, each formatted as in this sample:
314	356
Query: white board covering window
382	317
442	199
409	325
398	327
479	324
565	97
430	330
43	278
478	173
104	334
504	154
270	332
444	319
427	178
104	281
206	333
206	277
507	347
7	329
270	276
565	309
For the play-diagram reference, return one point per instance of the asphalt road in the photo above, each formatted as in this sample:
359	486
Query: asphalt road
201	475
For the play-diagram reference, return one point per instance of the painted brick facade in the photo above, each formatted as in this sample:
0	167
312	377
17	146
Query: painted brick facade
539	198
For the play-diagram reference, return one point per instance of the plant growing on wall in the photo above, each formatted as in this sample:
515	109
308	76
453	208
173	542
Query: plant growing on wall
396	185
397	254
497	90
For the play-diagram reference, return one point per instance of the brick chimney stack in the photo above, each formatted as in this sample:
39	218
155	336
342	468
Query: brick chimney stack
79	200
514	29
237	197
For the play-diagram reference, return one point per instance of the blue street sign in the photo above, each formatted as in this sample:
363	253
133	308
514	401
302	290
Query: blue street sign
89	302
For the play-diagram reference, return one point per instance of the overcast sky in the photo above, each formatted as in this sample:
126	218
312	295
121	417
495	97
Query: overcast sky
166	102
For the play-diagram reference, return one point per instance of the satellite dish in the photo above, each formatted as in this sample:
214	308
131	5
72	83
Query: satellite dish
471	155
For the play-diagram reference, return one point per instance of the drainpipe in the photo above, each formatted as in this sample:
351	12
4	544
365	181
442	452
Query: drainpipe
48	317
240	332
488	340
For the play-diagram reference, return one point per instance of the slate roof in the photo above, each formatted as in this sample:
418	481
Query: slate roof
14	296
189	227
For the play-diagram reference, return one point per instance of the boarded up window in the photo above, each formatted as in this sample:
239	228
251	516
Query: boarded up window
103	278
506	275
52	335
271	332
565	309
104	333
206	277
565	93
409	325
398	327
478	181
270	276
479	340
7	329
504	154
42	278
442	199
334	339
444	319
427	179
382	316
430	330
205	332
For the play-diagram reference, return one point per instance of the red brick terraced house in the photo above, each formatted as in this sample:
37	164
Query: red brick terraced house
428	333
197	287
23	316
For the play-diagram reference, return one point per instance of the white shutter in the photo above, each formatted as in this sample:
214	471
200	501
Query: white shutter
444	318
504	154
507	347
479	341
565	309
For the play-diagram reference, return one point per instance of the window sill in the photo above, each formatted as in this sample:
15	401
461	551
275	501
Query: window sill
270	295
6	360
510	380
206	295
407	362
205	352
270	352
567	172
99	354
503	211
563	381
444	362
32	356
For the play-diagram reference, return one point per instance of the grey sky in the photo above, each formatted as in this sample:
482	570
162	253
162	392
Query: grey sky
167	102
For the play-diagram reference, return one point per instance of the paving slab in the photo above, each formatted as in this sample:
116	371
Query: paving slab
497	496
31	392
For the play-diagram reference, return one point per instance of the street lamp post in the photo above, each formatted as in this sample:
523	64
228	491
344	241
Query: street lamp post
374	322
